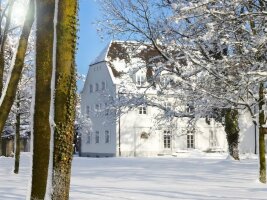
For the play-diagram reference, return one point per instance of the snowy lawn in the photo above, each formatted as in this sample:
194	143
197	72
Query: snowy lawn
188	176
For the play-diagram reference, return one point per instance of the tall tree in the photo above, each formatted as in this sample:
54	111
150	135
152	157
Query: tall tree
65	98
3	37
220	41
3	42
8	97
41	125
21	109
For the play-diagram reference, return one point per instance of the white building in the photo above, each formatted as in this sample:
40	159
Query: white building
138	132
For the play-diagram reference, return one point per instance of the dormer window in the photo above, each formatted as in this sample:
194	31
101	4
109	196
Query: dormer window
91	88
190	108
142	110
96	87
140	79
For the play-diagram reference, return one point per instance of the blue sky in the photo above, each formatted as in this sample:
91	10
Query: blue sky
89	43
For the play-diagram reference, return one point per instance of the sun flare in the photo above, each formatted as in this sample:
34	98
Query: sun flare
19	11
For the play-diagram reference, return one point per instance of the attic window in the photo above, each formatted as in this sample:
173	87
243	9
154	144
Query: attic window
142	110
140	79
190	108
91	88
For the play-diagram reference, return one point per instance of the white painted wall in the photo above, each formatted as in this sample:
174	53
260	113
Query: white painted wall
133	124
100	122
247	133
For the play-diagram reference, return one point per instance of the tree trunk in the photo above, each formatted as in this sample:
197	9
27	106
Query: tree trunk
262	177
232	132
10	94
17	150
65	98
41	126
2	54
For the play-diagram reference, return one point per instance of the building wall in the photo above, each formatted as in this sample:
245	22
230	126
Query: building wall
97	74
206	137
131	126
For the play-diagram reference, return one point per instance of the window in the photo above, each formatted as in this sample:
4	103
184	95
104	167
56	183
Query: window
106	109
103	85
87	111
190	108
167	139
190	140
142	110
89	135
97	137
107	137
98	107
140	79
91	88
96	87
213	139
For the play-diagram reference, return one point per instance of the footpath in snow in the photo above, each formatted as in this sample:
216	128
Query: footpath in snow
187	176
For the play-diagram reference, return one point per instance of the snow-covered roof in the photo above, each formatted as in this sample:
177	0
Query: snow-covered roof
102	56
123	55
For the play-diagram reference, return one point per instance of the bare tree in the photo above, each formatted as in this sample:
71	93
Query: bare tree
220	42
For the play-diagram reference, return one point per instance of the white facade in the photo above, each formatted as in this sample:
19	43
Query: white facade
97	90
137	132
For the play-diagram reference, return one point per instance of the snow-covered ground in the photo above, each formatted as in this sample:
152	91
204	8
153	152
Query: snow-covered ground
187	176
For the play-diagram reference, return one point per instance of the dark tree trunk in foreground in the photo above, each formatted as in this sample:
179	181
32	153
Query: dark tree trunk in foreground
17	150
232	132
262	177
41	125
10	95
65	98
